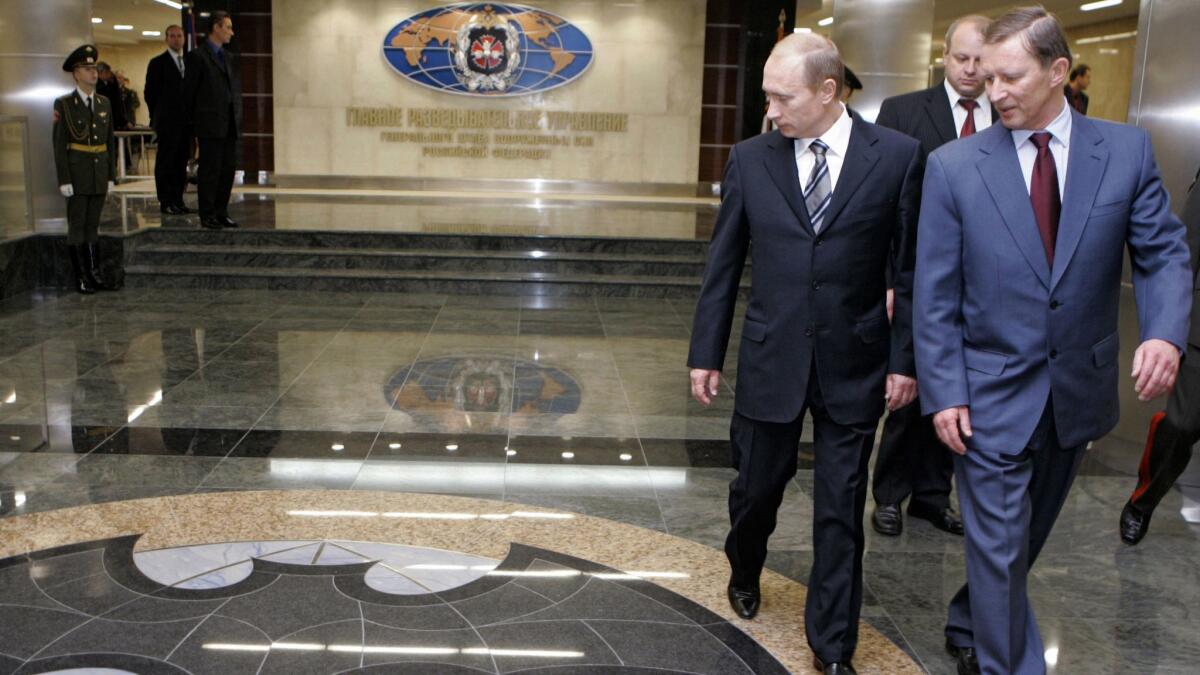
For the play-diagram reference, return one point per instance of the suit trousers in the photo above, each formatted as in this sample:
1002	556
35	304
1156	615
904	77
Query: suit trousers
1009	504
765	455
1168	455
170	166
83	218
912	461
214	178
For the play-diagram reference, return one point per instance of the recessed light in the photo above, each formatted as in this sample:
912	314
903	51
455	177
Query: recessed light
510	453
827	21
170	3
1099	4
394	446
337	447
96	19
122	26
801	29
625	456
151	33
452	447
568	455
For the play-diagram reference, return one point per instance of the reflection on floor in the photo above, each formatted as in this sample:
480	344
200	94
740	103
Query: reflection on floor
573	404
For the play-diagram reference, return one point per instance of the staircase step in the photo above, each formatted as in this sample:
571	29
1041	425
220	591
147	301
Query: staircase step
441	281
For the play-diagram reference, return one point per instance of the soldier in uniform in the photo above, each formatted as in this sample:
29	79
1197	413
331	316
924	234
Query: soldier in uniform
85	157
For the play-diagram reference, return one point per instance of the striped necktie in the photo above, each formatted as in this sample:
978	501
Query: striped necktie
819	190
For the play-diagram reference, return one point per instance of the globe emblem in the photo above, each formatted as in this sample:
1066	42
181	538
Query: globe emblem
488	49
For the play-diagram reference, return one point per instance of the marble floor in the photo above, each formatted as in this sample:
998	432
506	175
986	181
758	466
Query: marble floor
150	440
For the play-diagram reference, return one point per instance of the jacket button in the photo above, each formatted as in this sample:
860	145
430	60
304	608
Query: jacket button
1054	304
820	241
808	332
816	285
1054	353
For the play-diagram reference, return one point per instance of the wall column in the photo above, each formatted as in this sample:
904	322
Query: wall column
887	44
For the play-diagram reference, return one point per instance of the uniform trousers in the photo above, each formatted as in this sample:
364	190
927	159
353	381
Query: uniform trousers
83	218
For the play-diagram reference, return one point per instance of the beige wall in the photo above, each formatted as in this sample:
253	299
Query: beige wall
648	63
132	61
1112	66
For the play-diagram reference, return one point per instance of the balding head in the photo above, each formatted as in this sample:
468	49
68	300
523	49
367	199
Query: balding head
973	22
816	58
802	80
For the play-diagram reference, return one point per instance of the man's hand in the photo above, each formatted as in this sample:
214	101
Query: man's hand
891	303
951	425
67	190
705	384
901	390
1155	365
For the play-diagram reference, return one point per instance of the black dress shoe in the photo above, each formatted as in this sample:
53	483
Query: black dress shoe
744	601
964	658
171	210
887	520
943	519
211	224
183	209
834	667
1134	524
226	221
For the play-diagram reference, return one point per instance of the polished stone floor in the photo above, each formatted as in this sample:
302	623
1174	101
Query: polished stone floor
576	404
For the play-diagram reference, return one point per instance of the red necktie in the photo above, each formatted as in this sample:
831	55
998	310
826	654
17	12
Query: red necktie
1043	192
968	126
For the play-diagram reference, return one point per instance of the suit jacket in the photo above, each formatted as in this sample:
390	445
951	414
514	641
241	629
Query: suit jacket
816	295
78	136
1077	101
164	95
925	115
111	90
212	93
1191	218
1001	330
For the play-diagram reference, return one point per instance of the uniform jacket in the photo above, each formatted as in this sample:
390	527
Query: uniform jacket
87	171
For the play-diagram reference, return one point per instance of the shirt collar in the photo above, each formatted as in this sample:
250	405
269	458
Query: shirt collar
82	96
174	54
1059	128
954	96
216	48
837	137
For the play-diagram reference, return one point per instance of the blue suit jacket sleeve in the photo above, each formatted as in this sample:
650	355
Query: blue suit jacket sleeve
1159	256
722	274
937	296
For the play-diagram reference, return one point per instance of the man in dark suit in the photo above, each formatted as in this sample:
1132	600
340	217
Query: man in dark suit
911	460
212	96
1081	78
164	99
826	201
1174	432
1024	228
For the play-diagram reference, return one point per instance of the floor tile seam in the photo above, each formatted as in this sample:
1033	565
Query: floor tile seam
516	618
912	651
685	624
106	652
604	640
67	610
474	629
195	628
362	622
224	567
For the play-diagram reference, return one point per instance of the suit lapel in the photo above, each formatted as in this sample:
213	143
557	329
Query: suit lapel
1086	163
937	106
860	161
781	167
1001	173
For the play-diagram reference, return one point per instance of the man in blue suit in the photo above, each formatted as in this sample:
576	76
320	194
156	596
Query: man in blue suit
824	203
1022	232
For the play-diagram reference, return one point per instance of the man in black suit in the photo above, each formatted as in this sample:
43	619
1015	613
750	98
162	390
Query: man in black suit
1173	432
164	99
1081	79
212	96
912	461
826	201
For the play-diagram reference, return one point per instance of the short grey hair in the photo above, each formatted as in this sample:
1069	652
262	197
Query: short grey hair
822	61
1040	32
979	21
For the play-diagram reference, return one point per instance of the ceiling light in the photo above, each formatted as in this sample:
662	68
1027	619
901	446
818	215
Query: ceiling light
625	456
122	26
337	447
1099	4
828	21
568	455
170	3
394	446
510	453
452	447
96	19
151	33
801	29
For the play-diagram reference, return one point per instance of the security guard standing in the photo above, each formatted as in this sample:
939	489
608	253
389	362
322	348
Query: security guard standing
85	156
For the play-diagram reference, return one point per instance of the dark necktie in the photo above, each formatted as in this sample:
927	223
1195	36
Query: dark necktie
968	126
1043	192
179	63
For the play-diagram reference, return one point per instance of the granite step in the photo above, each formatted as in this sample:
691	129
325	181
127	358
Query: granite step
412	281
310	257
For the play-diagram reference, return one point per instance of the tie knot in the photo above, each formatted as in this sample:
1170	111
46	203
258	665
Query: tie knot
969	103
818	148
1041	139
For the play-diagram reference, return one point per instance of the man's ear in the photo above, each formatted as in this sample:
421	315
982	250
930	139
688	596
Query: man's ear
1059	70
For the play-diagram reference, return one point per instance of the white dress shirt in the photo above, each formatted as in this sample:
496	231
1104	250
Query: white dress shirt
838	140
86	98
177	58
1060	144
983	110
